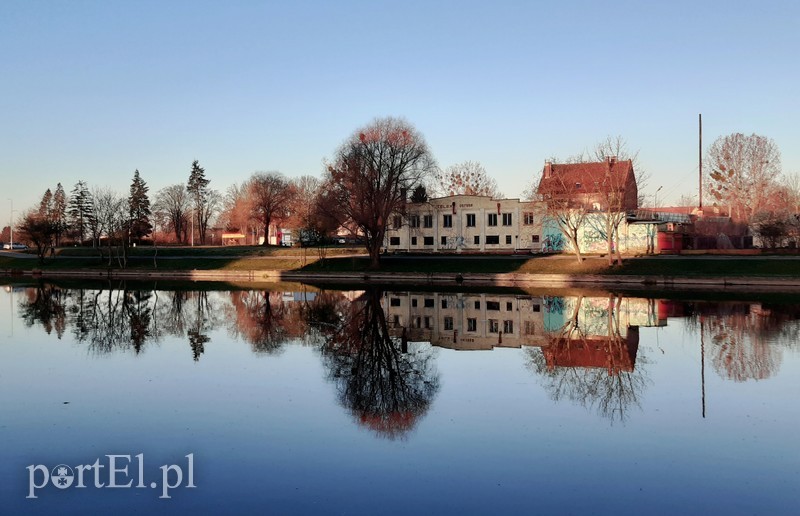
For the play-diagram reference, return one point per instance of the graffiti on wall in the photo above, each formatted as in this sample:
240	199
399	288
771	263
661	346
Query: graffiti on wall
633	238
452	243
553	243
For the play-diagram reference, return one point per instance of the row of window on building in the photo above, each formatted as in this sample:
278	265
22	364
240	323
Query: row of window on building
492	325
476	239
471	220
428	302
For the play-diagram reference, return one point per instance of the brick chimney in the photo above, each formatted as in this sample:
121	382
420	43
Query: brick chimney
548	169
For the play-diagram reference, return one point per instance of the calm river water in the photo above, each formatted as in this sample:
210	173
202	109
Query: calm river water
140	399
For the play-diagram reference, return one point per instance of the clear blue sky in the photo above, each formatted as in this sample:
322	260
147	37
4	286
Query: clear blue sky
95	89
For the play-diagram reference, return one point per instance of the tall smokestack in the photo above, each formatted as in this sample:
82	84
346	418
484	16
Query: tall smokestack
700	161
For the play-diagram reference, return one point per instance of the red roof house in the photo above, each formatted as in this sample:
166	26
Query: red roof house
608	185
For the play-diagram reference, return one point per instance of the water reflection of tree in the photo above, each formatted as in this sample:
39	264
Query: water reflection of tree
110	319
201	321
745	341
139	313
45	305
259	318
593	370
121	318
385	383
91	318
193	314
323	315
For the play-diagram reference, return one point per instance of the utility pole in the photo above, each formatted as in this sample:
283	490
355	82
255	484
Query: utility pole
702	368
700	160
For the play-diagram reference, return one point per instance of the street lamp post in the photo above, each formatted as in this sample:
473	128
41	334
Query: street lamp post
11	225
655	201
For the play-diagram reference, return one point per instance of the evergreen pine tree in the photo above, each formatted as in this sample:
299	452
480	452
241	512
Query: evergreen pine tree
59	212
139	208
46	205
420	194
81	210
198	190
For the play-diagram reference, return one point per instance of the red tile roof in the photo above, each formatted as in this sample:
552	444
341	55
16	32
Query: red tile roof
572	179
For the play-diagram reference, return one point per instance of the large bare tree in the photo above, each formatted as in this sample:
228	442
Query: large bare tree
38	230
372	173
111	214
270	198
236	214
562	205
743	173
612	195
467	178
305	190
614	202
617	146
173	205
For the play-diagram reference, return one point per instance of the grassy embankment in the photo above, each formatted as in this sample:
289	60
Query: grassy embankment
175	258
276	258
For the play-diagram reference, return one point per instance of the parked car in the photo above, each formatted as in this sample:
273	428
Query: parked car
349	240
15	246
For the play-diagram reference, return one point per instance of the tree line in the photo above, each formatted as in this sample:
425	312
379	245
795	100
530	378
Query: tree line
370	177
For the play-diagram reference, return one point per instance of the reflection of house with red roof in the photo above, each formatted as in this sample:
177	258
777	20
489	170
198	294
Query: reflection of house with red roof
616	355
464	321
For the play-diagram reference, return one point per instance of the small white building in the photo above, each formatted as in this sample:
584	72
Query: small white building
467	223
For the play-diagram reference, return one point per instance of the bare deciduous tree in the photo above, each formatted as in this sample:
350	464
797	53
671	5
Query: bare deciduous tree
270	198
38	230
467	178
612	195
111	214
305	190
562	205
791	182
172	204
207	211
372	173
743	173
236	214
617	146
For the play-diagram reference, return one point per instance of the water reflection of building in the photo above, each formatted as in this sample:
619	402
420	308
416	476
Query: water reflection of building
600	332
466	321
